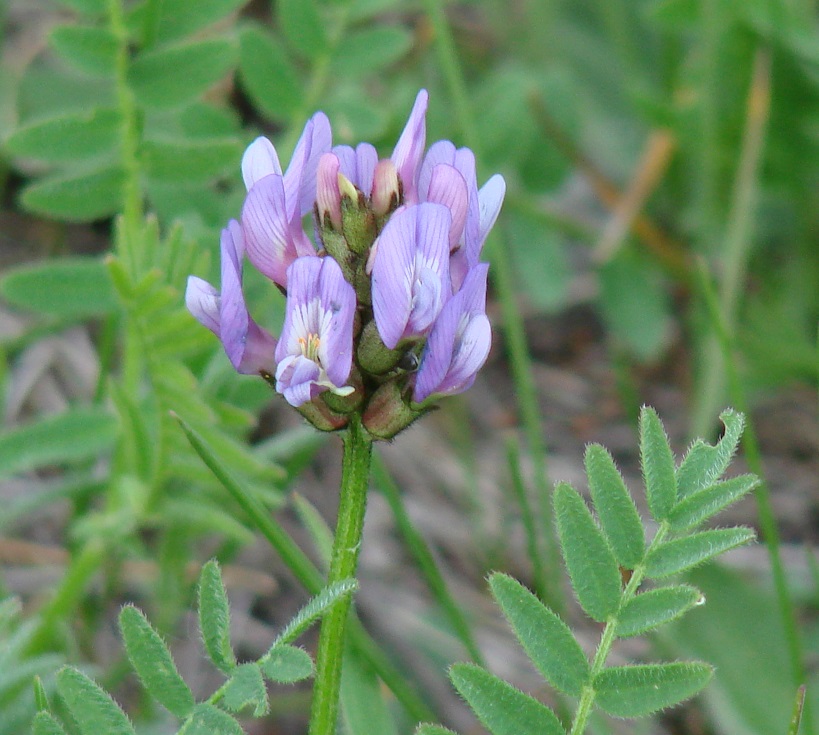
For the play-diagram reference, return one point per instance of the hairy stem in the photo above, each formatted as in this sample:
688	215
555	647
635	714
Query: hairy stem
343	564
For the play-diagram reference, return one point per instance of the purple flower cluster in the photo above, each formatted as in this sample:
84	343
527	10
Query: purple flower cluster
386	310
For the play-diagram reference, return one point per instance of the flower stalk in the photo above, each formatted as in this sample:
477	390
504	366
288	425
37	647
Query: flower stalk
355	475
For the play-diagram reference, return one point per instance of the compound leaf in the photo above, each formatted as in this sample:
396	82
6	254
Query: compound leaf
88	48
701	505
704	463
92	708
208	720
76	196
657	462
246	688
683	553
214	618
654	608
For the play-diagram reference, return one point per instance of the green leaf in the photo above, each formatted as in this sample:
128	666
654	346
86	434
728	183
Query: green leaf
93	709
45	724
214	617
589	560
77	434
88	48
40	695
76	197
180	161
303	27
267	75
181	18
654	608
426	728
287	664
314	609
615	508
681	554
696	508
154	664
208	720
320	533
371	50
74	288
704	464
636	691
173	76
502	708
362	698
246	688
657	461
547	640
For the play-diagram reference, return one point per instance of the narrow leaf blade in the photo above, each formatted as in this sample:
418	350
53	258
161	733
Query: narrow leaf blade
701	505
654	608
45	724
76	196
704	464
314	609
214	618
547	640
637	691
153	663
615	507
681	554
73	136
591	564
92	708
502	708
658	465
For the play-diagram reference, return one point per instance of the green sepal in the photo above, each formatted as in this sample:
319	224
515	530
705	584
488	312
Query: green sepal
704	464
615	508
657	462
246	688
637	691
651	609
373	355
214	618
700	506
547	640
680	554
590	562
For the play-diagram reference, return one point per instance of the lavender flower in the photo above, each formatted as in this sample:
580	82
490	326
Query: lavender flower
315	351
276	202
249	347
410	275
459	342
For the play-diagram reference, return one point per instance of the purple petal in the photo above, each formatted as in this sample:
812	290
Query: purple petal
202	301
442	151
447	187
300	177
259	160
296	379
410	147
490	199
328	196
339	302
358	165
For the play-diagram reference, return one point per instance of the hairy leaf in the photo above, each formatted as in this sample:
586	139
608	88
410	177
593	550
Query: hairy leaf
45	724
683	553
172	76
658	465
76	196
214	618
314	609
93	709
426	728
615	508
591	564
287	664
502	708
153	663
267	74
90	49
700	506
636	691
704	463
547	640
208	720
654	608
77	434
246	688
75	287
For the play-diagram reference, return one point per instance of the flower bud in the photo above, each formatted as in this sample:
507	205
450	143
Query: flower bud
386	192
373	355
328	194
388	413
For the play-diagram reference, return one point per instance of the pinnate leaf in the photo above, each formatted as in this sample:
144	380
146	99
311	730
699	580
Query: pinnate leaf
704	464
591	564
90	49
547	640
214	617
153	663
172	76
654	608
246	688
696	508
68	288
502	708
636	691
268	75
615	508
81	196
683	553
287	664
209	720
45	724
92	708
658	465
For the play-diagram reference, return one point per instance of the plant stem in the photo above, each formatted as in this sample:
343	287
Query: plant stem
349	529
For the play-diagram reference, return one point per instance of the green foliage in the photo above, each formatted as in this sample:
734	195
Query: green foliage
91	707
214	618
78	196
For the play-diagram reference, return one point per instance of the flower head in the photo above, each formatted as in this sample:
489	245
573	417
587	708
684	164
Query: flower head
315	351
